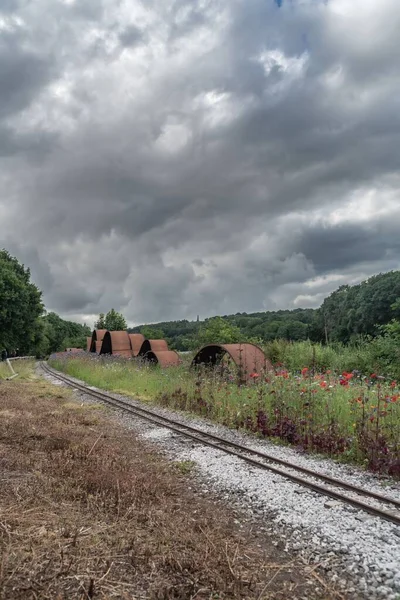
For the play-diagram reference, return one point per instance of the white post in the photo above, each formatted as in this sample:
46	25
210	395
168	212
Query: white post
14	374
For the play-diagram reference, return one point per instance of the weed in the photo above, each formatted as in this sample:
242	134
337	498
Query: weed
184	466
346	415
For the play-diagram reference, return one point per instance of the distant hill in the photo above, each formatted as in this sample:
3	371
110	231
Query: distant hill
348	312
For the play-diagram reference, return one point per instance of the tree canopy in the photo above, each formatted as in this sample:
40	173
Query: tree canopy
58	334
20	305
112	321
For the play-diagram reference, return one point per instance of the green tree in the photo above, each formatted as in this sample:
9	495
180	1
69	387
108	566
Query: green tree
100	324
152	333
57	334
20	305
114	321
218	331
360	309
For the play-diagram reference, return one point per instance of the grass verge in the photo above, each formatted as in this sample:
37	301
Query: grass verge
88	511
347	416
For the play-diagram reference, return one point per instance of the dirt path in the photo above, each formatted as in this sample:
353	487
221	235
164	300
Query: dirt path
89	511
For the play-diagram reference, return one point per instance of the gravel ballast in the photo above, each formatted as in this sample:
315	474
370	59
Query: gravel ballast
358	550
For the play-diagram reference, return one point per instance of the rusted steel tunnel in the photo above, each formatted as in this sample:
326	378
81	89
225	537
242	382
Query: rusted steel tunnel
132	345
117	343
249	359
97	340
164	358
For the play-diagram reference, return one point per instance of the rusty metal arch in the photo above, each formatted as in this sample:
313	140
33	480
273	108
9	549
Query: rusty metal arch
248	358
97	340
136	340
116	343
164	358
88	344
153	346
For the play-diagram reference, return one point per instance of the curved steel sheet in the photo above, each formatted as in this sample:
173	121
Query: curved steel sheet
88	344
97	338
153	346
165	358
248	358
136	340
117	343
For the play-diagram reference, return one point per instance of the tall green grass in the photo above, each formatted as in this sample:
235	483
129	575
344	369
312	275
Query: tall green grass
24	368
343	414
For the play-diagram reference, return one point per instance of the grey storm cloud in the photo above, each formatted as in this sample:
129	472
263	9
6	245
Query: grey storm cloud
176	157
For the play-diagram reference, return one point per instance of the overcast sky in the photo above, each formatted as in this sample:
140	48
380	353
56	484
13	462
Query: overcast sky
170	158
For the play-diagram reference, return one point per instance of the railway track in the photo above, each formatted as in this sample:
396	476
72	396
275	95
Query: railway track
373	503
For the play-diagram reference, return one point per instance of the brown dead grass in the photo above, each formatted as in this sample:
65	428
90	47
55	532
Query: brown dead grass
88	511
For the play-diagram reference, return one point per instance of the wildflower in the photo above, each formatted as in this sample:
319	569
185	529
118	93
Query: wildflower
344	382
304	371
373	376
323	384
254	375
347	376
395	397
393	384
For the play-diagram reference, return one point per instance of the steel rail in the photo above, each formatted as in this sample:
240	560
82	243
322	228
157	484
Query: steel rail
245	453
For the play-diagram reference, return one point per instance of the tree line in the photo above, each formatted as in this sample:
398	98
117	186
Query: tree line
25	327
350	314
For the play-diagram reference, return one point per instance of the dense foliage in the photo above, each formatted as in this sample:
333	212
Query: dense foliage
23	329
58	334
360	309
20	305
112	321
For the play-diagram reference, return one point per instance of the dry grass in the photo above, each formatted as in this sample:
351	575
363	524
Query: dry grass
88	511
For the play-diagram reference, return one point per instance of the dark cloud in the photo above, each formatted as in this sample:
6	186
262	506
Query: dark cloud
173	158
131	36
338	248
22	75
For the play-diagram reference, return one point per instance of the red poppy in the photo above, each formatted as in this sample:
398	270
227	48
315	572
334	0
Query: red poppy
304	371
374	376
323	384
344	382
393	384
254	375
347	376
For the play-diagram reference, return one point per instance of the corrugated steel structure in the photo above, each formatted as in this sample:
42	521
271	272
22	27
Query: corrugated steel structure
248	358
97	339
153	346
164	358
116	343
136	340
88	344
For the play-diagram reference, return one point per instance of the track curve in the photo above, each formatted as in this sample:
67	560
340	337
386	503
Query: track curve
254	457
